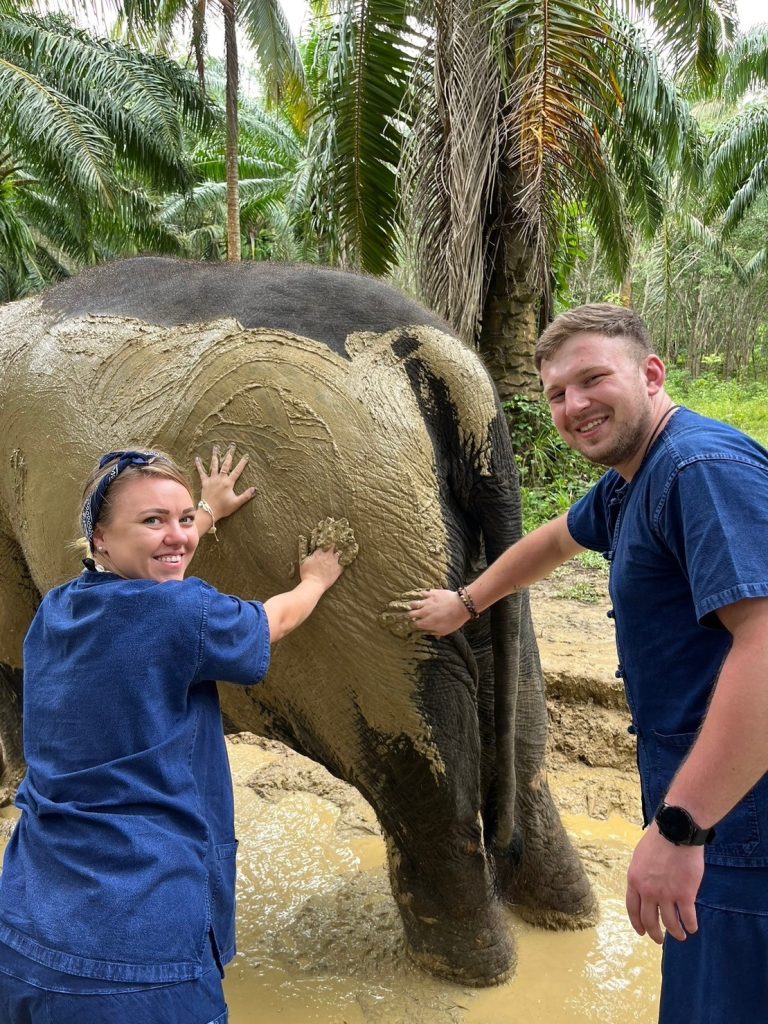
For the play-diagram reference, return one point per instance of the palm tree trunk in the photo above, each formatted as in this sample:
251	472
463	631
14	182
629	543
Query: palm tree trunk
233	197
510	317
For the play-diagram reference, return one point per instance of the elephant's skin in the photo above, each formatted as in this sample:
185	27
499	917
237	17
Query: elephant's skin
352	402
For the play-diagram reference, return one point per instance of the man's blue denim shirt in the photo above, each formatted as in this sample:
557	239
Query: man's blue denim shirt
122	866
686	536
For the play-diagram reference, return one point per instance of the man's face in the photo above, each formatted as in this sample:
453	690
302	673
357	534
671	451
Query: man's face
599	392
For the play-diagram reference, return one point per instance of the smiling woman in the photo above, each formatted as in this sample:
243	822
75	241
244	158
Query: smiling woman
117	891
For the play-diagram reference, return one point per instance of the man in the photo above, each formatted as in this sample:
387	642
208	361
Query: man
682	516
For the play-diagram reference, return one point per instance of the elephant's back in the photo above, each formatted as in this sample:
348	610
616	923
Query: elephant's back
314	302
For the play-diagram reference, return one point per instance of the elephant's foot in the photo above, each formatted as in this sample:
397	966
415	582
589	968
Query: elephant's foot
557	920
454	922
479	956
541	874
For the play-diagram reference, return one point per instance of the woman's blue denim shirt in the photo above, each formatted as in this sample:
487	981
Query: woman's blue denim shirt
122	866
686	536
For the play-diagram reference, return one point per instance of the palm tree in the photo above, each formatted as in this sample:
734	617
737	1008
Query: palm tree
521	112
91	130
266	29
275	216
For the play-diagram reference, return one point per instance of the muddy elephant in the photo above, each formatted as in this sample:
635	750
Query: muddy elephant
353	402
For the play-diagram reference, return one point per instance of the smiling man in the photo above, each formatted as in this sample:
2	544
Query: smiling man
682	517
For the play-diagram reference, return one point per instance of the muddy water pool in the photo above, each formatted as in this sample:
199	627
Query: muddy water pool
320	939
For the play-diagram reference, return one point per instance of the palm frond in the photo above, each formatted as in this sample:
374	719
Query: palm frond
355	139
700	234
757	265
736	171
696	32
268	32
747	63
450	162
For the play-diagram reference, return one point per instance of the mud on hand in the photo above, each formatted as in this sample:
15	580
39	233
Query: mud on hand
328	535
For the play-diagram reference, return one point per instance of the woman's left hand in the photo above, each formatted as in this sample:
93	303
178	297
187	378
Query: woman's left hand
218	484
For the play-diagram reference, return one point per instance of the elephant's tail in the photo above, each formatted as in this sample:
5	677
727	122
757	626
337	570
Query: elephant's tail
493	502
480	492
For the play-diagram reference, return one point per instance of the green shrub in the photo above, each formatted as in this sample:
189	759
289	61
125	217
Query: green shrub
552	475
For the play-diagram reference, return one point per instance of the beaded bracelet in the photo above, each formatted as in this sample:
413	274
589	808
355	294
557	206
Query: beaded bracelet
203	504
468	603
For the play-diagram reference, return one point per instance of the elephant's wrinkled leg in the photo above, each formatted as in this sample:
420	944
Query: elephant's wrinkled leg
426	792
540	873
18	601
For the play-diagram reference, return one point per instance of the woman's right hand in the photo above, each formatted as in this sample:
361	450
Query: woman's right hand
321	567
218	484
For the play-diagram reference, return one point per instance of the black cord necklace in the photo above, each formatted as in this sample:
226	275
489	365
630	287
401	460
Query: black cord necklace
657	430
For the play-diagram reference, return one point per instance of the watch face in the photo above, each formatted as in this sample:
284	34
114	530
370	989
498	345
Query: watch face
675	824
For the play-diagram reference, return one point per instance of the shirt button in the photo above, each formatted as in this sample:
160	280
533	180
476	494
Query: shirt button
610	614
619	673
632	730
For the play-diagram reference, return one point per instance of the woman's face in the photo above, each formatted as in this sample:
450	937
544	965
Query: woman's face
152	533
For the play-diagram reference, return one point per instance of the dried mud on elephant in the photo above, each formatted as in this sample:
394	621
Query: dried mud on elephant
353	403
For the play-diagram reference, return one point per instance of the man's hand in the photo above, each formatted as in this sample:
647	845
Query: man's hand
663	880
439	612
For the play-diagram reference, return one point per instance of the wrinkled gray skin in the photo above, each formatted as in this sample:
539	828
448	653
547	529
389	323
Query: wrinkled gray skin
352	402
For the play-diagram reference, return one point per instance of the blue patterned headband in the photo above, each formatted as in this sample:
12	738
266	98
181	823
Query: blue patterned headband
92	506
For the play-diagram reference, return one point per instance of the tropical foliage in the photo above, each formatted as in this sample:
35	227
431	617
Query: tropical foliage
500	159
90	132
275	218
701	281
265	28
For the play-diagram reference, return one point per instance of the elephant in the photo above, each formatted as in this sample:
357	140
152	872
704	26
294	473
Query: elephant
353	402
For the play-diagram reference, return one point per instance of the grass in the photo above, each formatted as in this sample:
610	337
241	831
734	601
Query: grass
743	404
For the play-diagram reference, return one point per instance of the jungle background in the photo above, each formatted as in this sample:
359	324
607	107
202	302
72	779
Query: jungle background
498	160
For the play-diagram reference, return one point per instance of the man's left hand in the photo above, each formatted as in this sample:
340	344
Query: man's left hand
662	881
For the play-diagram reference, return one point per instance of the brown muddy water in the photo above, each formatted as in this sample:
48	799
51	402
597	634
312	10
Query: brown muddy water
320	939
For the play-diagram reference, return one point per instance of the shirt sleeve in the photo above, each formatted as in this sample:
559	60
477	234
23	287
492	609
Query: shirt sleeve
234	639
587	520
715	522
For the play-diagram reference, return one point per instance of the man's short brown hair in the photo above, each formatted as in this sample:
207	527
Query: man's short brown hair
596	318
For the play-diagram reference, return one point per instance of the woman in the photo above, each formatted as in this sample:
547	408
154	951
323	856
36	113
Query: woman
117	894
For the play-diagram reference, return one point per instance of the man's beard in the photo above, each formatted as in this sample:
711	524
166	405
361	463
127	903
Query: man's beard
625	446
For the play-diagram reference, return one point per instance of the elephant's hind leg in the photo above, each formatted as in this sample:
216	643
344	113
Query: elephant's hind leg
426	792
18	600
541	874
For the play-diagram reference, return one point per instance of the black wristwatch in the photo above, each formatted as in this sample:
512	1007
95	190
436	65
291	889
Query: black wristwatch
676	825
